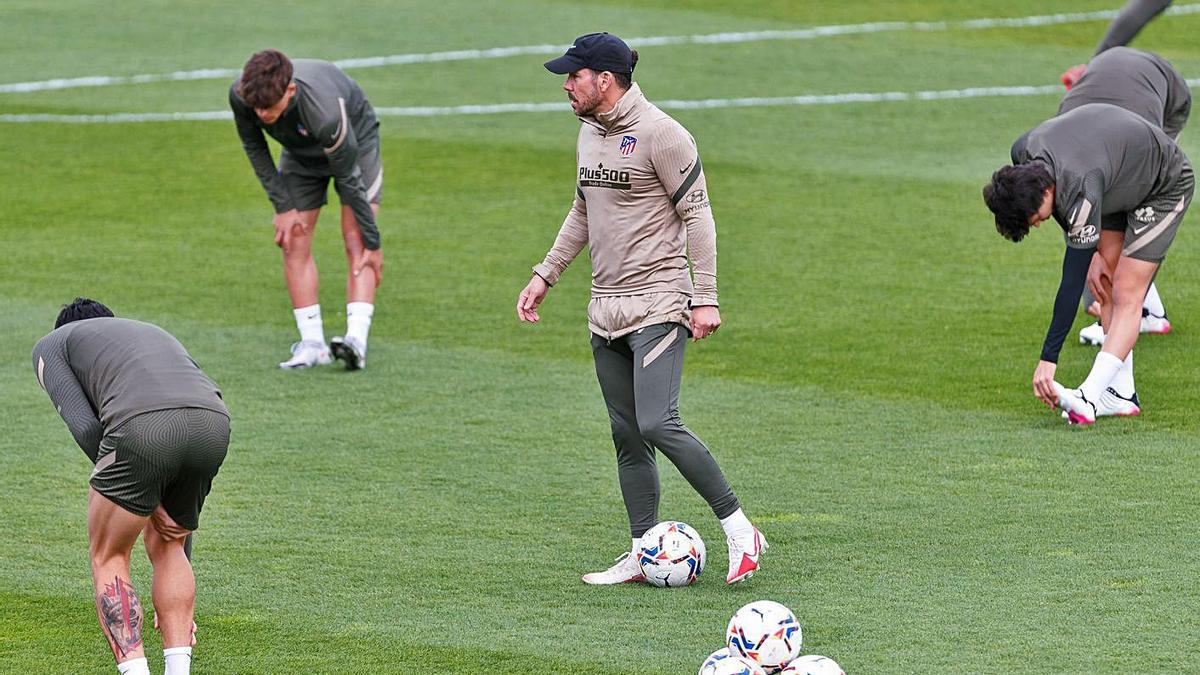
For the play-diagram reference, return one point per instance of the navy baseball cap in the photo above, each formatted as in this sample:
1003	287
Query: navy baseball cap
598	51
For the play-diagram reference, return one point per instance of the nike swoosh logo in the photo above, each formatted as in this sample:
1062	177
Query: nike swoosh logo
1140	230
684	169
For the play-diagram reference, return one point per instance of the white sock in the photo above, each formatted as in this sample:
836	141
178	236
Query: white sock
134	667
308	320
737	525
358	321
636	542
1123	380
1153	303
179	660
1104	370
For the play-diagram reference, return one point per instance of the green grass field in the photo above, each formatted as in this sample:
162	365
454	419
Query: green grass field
868	395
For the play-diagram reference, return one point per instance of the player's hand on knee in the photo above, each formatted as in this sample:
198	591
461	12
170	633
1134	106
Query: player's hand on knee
706	319
529	299
1099	279
166	525
372	260
287	225
1043	383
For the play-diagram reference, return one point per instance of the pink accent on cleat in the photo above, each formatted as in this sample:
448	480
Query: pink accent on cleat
1075	418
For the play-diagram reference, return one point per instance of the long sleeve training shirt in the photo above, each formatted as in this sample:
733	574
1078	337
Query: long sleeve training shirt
1140	82
642	207
101	372
327	120
1104	160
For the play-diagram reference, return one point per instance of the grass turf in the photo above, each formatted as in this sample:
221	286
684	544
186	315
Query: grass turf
867	396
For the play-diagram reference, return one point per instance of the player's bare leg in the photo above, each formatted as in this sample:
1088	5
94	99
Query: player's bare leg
112	532
1130	282
299	268
174	590
300	273
1109	388
361	283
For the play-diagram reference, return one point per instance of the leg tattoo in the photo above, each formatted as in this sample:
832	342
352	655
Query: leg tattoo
121	616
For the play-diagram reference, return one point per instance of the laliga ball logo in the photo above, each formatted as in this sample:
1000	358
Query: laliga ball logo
813	665
765	632
721	662
671	554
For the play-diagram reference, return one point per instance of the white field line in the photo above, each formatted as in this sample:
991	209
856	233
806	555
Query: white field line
695	104
545	49
500	108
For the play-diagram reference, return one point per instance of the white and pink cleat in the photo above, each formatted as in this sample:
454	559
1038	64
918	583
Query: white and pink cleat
744	553
625	571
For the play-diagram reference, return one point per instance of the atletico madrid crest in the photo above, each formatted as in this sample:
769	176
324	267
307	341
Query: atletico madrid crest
628	143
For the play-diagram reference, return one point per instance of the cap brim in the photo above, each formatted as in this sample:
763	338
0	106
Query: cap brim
564	64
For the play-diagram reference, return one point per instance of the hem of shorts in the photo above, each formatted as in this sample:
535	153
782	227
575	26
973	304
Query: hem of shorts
135	510
1157	260
652	321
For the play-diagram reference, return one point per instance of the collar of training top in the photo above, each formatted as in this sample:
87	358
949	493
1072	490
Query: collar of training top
622	113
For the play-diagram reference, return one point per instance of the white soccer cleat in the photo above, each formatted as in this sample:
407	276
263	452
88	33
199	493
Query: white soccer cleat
1079	410
1113	404
1158	325
1092	335
625	571
743	556
307	354
349	350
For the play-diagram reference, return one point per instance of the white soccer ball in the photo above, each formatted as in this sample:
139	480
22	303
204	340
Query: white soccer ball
671	554
765	632
812	664
721	662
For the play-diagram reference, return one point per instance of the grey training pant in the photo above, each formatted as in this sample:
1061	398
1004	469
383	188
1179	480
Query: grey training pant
639	376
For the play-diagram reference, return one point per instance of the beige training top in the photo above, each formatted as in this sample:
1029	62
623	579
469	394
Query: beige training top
641	204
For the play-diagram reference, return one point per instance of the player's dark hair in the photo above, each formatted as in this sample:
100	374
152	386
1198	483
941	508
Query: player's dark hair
80	309
265	78
1014	195
625	80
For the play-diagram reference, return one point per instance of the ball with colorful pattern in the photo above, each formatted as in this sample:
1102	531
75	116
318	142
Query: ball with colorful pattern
721	662
671	554
765	632
811	664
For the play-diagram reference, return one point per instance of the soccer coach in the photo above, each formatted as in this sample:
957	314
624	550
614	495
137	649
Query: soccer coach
641	204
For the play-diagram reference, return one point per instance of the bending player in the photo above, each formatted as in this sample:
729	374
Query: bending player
327	129
157	430
1148	85
1129	22
1118	186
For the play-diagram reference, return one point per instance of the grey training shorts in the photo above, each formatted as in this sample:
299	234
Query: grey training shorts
1150	228
166	457
307	180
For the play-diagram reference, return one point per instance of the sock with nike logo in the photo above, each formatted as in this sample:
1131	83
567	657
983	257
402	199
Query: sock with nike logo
308	320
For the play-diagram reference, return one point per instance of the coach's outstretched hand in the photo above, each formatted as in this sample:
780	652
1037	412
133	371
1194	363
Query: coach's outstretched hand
1043	383
531	296
706	319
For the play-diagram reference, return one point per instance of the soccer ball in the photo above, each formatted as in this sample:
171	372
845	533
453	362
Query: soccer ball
765	632
813	665
721	662
671	554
